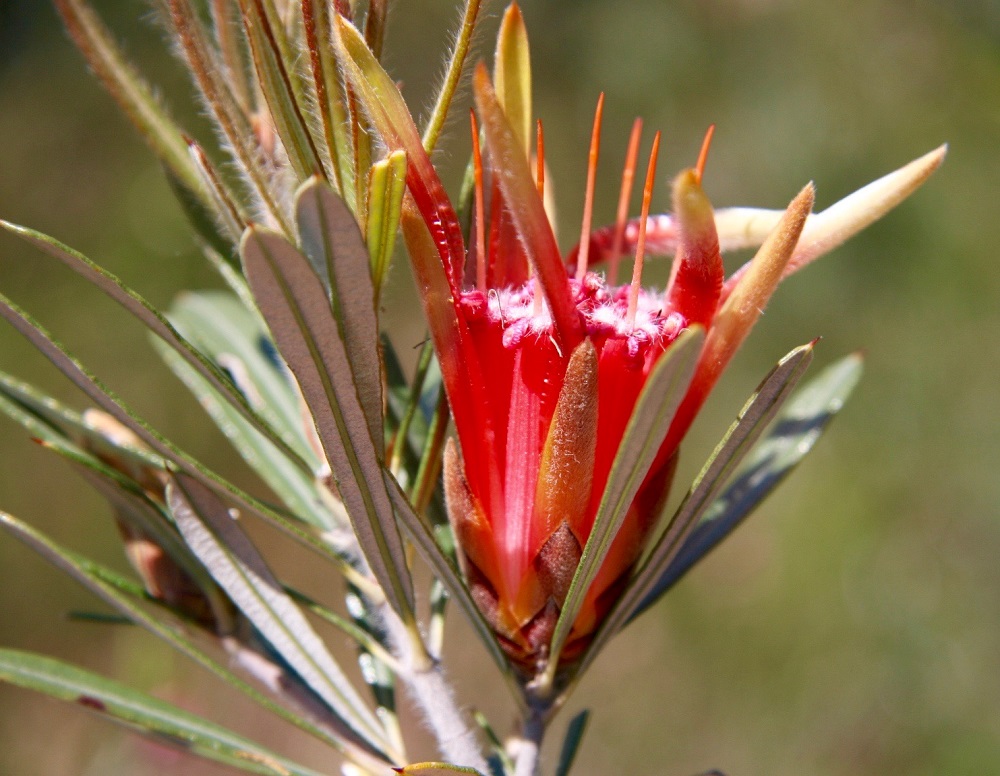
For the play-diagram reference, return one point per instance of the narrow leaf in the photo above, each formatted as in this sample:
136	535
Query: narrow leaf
276	82
294	302
230	116
96	579
156	323
331	98
456	62
653	413
795	432
110	403
236	341
299	491
209	529
162	721
571	744
758	411
331	241
134	96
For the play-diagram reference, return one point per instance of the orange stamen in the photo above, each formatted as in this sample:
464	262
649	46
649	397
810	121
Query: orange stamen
640	248
624	196
703	155
540	160
588	202
477	165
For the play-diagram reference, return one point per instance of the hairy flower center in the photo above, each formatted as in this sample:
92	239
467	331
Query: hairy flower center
603	310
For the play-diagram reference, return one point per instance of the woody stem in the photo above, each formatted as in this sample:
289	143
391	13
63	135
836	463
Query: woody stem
528	746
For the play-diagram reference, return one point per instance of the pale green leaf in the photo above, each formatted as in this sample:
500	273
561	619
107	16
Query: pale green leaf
795	432
298	491
332	242
218	541
110	403
107	586
297	309
156	323
164	722
753	418
234	338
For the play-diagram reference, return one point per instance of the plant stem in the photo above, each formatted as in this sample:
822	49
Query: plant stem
528	746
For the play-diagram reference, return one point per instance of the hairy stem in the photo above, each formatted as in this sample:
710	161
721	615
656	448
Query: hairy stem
453	728
526	748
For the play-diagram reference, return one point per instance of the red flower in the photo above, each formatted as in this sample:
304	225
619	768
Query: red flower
543	368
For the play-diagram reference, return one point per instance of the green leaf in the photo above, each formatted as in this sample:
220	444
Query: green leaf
386	187
437	769
453	75
571	743
234	338
300	492
122	596
332	242
134	96
795	432
330	94
278	84
162	721
106	400
654	411
753	418
295	304
218	541
49	420
230	116
155	322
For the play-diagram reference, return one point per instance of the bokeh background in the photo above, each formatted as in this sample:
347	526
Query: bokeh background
853	626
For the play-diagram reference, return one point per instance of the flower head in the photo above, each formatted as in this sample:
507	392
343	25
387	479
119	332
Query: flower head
544	360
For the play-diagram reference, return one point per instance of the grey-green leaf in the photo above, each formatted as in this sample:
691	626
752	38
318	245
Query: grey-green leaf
155	322
218	541
296	307
106	585
332	242
794	434
753	418
571	743
143	713
106	400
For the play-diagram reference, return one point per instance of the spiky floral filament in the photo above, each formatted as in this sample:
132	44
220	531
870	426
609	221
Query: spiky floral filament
640	250
540	160
480	225
588	201
706	144
624	198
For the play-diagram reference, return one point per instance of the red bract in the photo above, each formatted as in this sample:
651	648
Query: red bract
543	369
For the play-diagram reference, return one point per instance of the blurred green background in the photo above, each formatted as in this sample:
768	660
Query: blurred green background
853	626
